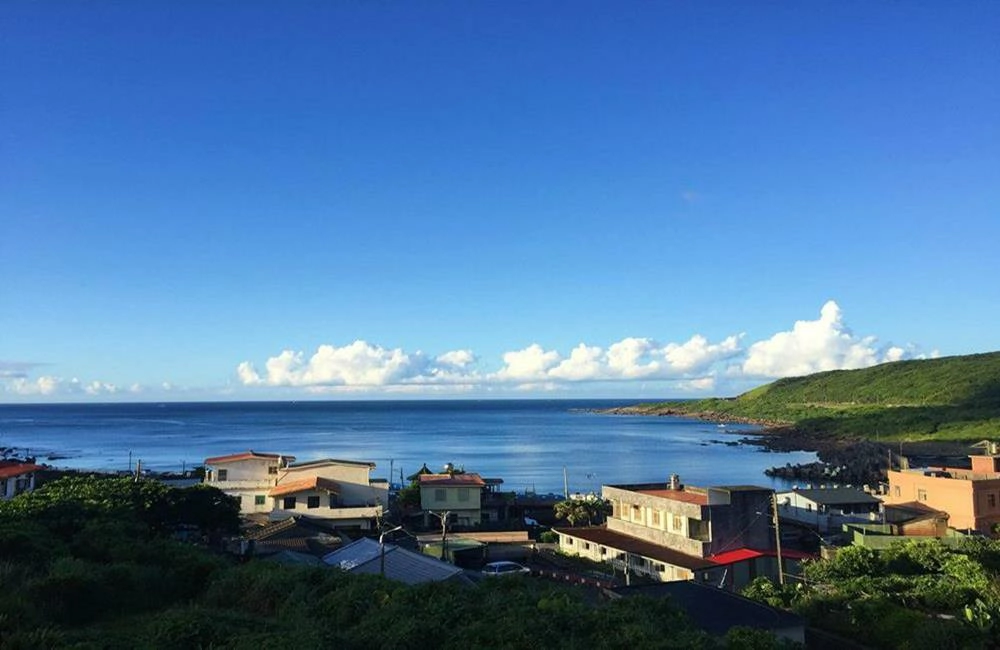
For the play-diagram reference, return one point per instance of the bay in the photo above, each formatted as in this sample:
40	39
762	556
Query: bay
525	442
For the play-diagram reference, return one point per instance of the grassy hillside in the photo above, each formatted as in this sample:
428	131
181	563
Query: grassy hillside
953	398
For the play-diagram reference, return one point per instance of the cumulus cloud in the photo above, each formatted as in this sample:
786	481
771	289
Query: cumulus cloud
818	345
50	386
358	364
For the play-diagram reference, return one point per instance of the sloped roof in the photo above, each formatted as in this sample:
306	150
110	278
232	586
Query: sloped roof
11	468
684	496
364	556
246	455
613	539
715	610
452	480
741	554
836	496
311	483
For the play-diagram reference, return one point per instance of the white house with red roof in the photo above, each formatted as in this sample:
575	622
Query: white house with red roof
457	493
716	535
248	476
340	491
16	477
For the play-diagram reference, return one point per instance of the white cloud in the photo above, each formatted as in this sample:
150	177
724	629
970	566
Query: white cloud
51	386
818	345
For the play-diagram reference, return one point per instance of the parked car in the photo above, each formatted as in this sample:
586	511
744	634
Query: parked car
505	569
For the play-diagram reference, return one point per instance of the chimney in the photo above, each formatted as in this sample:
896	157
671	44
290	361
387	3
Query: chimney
675	482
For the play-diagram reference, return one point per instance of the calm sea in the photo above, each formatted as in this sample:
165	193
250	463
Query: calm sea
525	442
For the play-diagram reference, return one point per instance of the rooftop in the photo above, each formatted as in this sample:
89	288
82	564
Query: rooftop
836	496
451	480
332	461
364	556
246	455
604	537
686	496
11	468
311	483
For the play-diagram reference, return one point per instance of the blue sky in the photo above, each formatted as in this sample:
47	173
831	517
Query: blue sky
237	200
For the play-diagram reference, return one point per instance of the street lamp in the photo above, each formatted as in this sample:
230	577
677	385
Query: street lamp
381	545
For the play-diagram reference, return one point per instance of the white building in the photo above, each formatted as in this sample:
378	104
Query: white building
827	509
338	490
16	477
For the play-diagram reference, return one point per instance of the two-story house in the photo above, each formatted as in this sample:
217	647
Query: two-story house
16	477
971	497
459	494
339	491
248	476
719	535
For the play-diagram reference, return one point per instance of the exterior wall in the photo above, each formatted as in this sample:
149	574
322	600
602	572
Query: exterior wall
353	479
731	519
656	519
796	507
972	503
637	564
466	509
246	480
12	486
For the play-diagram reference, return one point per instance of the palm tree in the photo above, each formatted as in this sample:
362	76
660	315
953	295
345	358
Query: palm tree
577	511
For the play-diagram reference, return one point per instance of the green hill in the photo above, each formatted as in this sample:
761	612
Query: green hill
952	398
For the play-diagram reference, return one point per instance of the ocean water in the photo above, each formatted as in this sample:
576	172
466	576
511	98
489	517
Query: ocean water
527	443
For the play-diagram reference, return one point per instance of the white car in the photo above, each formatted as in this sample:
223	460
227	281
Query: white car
505	569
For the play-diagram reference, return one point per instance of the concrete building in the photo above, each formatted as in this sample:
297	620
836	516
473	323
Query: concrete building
340	491
717	535
971	497
828	509
247	476
459	494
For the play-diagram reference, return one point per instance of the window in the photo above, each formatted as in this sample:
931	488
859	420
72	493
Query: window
312	502
333	500
440	495
259	500
678	523
604	550
288	503
272	469
991	499
569	541
586	546
921	495
656	517
895	491
223	474
463	494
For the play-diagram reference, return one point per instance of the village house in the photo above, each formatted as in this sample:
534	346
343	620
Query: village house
340	491
715	535
458	494
970	497
16	477
827	509
332	489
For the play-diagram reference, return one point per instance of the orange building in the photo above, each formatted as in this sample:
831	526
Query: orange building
970	496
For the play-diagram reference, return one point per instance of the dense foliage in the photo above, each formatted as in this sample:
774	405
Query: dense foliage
916	594
952	398
92	563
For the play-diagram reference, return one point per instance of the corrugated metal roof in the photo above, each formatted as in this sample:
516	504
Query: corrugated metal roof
363	556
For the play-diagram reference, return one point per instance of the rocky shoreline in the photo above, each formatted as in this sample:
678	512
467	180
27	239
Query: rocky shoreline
841	461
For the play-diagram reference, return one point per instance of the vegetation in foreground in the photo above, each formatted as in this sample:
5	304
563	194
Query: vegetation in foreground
947	399
90	562
916	594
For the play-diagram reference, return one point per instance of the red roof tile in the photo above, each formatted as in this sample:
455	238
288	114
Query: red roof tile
11	468
449	480
741	554
312	483
246	455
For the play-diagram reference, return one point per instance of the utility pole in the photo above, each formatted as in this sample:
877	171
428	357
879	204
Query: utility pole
381	544
777	538
444	529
